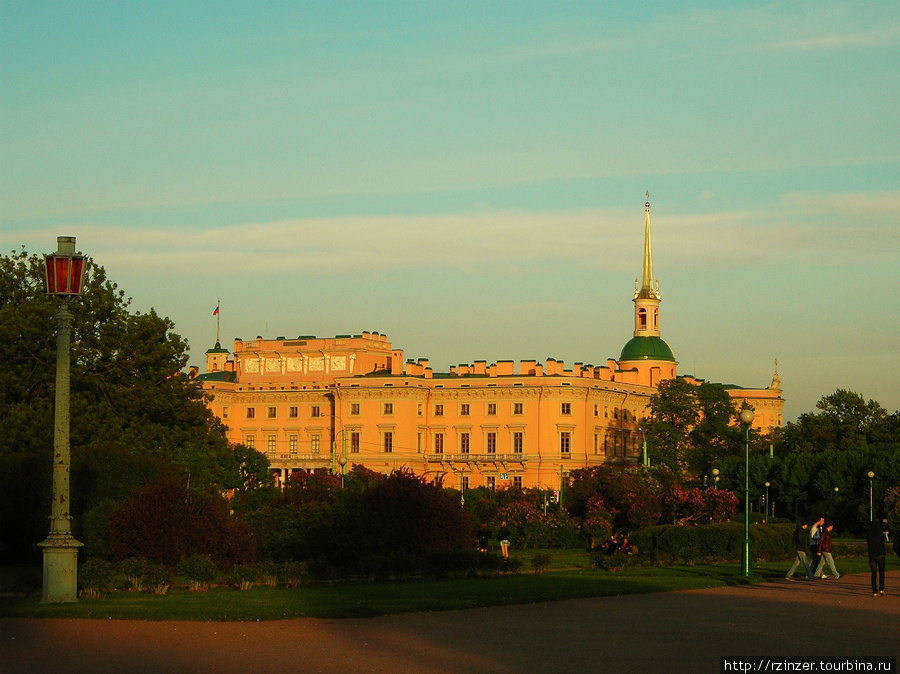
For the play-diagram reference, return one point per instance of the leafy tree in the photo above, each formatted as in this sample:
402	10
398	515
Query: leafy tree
846	421
134	415
691	426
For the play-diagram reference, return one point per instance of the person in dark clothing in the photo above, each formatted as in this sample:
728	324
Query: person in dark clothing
484	536
504	535
876	540
801	544
825	554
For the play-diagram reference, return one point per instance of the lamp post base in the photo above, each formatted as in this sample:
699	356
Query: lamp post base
60	569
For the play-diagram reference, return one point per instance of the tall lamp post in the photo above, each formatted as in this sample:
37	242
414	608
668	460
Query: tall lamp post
746	419
766	510
65	279
871	476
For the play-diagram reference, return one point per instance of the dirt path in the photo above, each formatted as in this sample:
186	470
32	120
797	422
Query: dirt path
668	632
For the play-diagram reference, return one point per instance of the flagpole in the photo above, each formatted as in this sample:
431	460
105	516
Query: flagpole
218	303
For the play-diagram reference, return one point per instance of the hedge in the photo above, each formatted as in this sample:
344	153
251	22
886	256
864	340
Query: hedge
710	542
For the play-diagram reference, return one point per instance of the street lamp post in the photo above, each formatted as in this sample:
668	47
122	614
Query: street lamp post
766	510
716	478
65	279
746	419
871	476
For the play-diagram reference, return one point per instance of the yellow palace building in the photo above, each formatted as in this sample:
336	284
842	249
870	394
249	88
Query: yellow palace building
328	403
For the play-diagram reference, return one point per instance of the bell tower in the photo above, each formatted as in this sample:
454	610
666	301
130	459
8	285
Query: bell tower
646	356
646	295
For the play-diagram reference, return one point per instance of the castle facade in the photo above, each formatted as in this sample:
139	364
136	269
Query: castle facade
326	404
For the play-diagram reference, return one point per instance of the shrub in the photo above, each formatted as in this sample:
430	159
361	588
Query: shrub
200	570
512	565
617	561
690	544
95	578
540	562
165	522
159	578
293	573
135	571
244	575
268	573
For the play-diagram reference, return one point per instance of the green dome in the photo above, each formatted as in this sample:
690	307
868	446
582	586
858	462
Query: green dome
646	348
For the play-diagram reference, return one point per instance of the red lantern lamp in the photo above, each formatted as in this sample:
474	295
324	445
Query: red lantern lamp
65	269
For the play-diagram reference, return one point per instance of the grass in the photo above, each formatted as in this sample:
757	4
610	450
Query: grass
568	577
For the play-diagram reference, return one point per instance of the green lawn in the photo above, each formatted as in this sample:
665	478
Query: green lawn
570	576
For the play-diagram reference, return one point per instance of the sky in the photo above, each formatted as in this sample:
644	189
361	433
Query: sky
469	178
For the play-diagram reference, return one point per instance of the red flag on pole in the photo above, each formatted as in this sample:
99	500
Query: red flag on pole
216	312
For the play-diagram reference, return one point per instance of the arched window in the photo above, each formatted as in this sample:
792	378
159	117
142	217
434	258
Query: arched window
642	319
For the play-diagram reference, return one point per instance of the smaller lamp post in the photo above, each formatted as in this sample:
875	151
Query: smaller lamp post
746	419
65	279
871	476
716	478
766	508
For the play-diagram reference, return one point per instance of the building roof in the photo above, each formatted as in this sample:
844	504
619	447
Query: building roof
221	375
646	348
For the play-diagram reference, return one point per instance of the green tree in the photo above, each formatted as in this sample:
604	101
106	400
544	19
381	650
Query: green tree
135	415
691	426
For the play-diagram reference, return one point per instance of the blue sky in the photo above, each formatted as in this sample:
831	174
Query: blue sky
468	177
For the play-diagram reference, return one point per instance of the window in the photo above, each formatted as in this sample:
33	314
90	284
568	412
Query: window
354	409
517	482
270	412
491	482
492	443
438	410
596	410
292	444
270	444
251	412
388	440
518	441
292	412
565	442
565	408
491	409
464	409
225	412
315	443
464	443
438	443
315	411
642	319
354	442
250	441
387	408
517	408
464	483
419	410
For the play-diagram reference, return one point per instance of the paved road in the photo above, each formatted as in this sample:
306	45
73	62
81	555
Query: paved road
668	632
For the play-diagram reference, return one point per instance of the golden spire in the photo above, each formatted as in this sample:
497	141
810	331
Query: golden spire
647	289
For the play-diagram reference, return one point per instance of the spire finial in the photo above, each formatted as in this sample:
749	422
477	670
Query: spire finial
647	271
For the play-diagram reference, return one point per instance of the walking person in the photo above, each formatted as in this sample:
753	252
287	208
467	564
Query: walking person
876	542
825	553
815	530
801	545
503	535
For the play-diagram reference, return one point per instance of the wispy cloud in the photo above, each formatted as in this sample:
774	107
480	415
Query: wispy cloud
838	228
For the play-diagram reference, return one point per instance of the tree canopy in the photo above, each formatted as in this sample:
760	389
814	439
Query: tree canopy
135	416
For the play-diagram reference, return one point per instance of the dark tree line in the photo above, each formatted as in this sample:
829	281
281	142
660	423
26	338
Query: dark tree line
817	465
135	417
